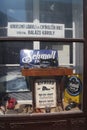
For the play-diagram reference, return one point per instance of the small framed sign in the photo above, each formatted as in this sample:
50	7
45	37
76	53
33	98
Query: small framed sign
45	93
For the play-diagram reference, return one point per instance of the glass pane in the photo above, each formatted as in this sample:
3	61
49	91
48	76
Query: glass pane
65	51
10	51
14	11
55	18
13	86
53	74
67	12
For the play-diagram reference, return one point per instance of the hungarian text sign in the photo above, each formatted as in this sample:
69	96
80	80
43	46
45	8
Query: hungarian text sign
48	30
45	93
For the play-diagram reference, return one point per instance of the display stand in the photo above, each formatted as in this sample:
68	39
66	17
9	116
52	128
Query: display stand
58	73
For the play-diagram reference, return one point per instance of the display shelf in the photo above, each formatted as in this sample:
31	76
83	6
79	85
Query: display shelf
53	71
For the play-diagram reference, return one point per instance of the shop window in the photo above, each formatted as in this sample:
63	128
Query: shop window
46	28
17	86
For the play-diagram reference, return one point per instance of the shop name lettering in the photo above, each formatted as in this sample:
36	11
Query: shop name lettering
38	56
36	32
24	26
23	29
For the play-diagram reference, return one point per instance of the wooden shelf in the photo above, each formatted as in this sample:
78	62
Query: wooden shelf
58	71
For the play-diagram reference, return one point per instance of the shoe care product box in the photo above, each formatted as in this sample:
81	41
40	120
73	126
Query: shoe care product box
73	89
38	58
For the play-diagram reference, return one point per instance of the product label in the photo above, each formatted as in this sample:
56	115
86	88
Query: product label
38	58
74	86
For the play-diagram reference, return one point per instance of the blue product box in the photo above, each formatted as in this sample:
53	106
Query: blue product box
38	58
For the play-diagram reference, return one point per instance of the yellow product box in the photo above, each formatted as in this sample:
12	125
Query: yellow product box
68	97
73	89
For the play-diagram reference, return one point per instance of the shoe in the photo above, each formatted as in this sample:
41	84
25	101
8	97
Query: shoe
70	106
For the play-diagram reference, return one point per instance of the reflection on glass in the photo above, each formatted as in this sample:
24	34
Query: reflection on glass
10	51
67	12
65	51
14	11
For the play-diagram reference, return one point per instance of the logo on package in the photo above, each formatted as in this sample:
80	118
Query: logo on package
74	86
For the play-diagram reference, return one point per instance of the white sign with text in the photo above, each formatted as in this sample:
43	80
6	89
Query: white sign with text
45	93
35	30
